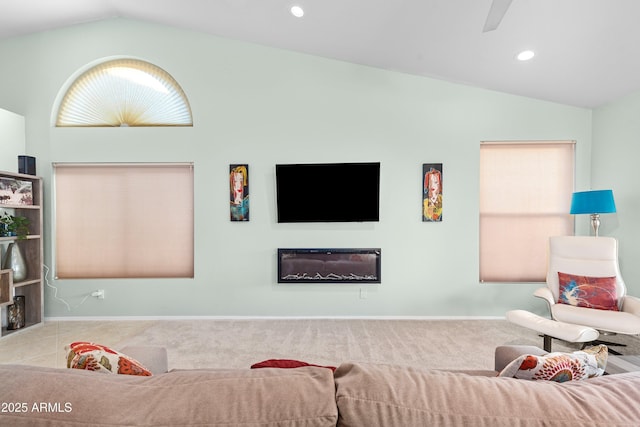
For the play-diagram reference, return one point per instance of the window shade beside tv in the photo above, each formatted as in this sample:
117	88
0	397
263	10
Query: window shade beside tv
328	192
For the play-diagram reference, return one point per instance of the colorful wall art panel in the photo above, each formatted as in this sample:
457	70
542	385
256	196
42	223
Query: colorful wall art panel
432	192
239	192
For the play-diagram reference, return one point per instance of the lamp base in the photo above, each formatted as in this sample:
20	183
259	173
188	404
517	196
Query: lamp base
595	223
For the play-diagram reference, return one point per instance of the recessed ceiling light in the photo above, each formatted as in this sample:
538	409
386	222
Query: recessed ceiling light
526	55
297	11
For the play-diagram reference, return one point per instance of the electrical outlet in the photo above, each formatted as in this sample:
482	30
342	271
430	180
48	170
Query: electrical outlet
98	294
363	293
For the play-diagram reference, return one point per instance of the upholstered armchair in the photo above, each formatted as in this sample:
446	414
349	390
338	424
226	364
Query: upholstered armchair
585	293
595	259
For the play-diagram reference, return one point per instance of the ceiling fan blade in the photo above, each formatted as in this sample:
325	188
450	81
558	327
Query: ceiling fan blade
496	13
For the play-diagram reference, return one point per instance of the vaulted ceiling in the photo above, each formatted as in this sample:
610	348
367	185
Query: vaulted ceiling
587	51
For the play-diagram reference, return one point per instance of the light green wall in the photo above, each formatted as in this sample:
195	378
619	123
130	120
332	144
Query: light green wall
616	152
264	106
12	140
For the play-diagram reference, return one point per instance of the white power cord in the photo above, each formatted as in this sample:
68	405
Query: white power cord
55	291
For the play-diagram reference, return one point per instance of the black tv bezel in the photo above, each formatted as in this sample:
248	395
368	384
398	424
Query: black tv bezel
354	165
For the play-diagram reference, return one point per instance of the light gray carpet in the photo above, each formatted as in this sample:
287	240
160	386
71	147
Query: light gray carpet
439	344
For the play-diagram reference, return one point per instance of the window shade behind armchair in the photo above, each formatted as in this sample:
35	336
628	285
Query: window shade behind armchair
525	196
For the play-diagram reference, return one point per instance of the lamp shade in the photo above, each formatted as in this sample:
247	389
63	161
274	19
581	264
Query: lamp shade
593	202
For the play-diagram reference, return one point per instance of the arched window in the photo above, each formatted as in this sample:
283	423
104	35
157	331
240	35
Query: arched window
124	92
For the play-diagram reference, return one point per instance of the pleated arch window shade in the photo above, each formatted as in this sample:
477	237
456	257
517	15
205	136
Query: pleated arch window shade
124	92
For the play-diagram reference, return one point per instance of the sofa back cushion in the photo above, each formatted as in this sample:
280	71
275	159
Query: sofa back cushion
257	397
383	395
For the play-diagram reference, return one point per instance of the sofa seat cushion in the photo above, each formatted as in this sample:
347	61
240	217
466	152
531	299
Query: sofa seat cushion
152	357
382	395
255	397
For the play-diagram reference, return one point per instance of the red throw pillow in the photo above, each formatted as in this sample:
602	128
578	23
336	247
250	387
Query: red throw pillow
286	364
590	292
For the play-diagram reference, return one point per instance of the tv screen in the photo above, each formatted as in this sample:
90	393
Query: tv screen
328	192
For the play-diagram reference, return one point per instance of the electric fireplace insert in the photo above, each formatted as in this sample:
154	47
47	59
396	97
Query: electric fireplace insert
329	265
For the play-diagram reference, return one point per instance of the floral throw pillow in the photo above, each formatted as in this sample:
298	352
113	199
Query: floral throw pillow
559	367
99	358
590	292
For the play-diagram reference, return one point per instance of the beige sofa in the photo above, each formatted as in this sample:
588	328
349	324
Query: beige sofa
356	394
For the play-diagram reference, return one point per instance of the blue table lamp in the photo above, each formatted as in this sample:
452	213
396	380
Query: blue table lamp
594	203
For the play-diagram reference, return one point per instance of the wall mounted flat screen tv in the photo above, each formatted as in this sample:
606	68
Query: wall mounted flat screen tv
328	192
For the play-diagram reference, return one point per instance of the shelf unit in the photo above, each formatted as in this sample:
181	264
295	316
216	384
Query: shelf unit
6	287
32	250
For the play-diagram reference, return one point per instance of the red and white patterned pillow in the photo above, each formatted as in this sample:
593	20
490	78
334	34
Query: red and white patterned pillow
100	358
559	367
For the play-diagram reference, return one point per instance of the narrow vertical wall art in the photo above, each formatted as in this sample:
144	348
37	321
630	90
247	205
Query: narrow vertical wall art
239	192
432	192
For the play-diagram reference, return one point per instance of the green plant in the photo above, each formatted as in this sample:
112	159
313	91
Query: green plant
14	226
5	220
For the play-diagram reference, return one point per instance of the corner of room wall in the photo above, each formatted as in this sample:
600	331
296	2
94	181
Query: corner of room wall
12	140
615	153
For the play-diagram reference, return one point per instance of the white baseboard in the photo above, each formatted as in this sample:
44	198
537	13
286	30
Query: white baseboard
133	318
